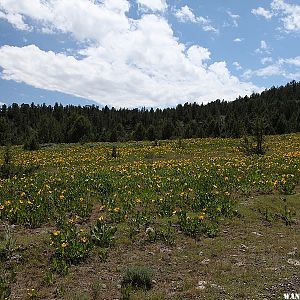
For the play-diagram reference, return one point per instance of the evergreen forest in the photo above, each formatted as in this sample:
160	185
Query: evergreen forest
278	107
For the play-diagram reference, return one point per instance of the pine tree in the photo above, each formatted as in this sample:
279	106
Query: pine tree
139	133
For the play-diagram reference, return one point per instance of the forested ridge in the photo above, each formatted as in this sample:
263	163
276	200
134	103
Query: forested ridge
279	107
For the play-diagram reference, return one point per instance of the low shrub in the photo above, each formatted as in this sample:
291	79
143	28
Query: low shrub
138	277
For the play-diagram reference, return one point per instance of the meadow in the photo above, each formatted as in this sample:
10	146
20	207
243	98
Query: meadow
196	218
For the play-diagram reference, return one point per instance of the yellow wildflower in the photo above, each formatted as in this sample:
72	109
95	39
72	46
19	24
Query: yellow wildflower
83	239
117	209
137	200
56	232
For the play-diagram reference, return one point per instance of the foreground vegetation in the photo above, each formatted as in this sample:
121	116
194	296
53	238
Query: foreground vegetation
180	219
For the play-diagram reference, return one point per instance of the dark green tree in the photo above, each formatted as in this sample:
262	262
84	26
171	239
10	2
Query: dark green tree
139	133
151	133
167	130
81	130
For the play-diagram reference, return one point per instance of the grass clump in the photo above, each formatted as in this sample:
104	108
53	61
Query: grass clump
139	277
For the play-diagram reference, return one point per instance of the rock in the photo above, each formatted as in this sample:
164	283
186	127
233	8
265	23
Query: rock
16	258
257	233
216	286
205	261
201	285
294	262
150	230
243	247
165	249
240	264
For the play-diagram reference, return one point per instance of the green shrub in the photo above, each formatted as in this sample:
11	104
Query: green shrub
114	153
138	277
102	234
31	144
5	289
7	244
6	279
255	144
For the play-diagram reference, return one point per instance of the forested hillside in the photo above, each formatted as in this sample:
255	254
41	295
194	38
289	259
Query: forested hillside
279	107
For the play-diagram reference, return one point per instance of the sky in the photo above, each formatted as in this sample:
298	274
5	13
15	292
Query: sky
145	53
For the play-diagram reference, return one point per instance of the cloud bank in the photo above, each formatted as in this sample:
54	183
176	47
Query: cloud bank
125	62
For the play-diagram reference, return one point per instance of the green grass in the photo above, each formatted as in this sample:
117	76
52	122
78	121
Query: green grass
254	202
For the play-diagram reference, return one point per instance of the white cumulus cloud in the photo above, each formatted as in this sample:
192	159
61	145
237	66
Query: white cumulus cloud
264	48
291	61
14	19
197	54
281	67
237	65
154	5
238	40
234	18
185	14
290	14
83	18
260	11
124	62
287	13
266	60
262	72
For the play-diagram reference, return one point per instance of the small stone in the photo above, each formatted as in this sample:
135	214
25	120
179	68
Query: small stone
205	261
240	264
216	286
243	247
257	233
201	285
15	258
293	262
150	230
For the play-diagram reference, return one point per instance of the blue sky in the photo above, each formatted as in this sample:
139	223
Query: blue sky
152	53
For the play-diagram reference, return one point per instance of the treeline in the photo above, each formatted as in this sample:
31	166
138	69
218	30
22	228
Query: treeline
279	107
